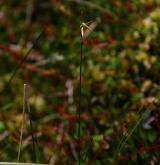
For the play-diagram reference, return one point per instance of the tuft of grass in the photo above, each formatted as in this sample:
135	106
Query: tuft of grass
26	106
124	139
86	153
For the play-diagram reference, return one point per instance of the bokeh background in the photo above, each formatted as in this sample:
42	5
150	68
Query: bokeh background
120	80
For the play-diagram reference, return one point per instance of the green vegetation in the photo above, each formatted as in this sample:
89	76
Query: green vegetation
40	44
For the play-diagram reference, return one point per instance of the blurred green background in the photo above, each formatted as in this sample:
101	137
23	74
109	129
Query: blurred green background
120	80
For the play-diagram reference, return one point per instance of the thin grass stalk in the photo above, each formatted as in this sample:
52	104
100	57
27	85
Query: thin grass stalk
31	126
125	139
23	121
26	105
84	160
80	102
23	59
130	134
17	68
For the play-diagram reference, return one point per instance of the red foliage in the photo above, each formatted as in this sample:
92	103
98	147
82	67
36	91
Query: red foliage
16	55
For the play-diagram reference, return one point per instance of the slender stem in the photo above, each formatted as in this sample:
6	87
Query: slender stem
17	68
31	128
23	120
125	139
80	103
26	105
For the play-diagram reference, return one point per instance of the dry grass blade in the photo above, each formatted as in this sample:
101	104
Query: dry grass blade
26	105
23	122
